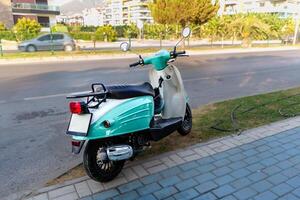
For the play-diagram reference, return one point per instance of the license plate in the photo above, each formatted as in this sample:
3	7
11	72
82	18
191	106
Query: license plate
79	124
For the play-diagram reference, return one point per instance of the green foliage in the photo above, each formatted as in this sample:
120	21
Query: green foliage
59	28
88	28
7	35
75	28
82	35
159	31
131	31
26	29
106	33
183	12
2	27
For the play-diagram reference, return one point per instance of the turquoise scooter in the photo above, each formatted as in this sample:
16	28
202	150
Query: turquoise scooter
119	121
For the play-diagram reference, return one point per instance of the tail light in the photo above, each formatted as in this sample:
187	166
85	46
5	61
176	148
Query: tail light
77	146
78	108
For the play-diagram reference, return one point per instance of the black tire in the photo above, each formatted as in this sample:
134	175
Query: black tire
31	48
104	173
187	123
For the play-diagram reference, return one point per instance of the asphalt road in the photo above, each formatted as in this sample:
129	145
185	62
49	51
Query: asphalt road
34	111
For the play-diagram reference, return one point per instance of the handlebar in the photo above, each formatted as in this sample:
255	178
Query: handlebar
134	64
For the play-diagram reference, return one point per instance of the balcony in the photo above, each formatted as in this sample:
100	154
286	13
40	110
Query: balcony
35	8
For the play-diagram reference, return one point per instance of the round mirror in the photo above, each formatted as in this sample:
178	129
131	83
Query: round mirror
125	46
186	32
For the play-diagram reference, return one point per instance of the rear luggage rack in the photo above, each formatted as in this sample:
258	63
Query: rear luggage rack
96	95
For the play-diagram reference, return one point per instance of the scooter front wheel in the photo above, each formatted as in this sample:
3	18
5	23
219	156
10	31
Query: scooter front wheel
187	123
97	169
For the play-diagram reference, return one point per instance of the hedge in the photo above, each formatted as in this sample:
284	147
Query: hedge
7	35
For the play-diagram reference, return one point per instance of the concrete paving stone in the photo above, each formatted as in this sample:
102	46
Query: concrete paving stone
95	186
282	189
206	160
271	170
188	174
241	183
220	156
206	187
176	159
266	196
61	191
207	196
257	176
206	168
147	197
269	162
237	165
192	157
129	174
140	171
277	150
248	147
127	195
165	192
87	198
264	155
221	163
170	198
43	196
189	165
114	183
214	145
151	178
106	194
187	194
245	193
262	148
289	197
148	189
205	177
229	197
186	184
83	189
234	151
250	152
255	167
168	162
292	152
171	172
157	168
277	179
222	171
223	191
274	144
185	153
236	157
295	160
200	151
284	164
224	179
169	181
222	148
130	186
281	157
240	173
297	192
151	163
261	186
294	182
290	172
69	196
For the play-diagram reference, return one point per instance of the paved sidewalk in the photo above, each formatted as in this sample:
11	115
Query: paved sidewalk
262	163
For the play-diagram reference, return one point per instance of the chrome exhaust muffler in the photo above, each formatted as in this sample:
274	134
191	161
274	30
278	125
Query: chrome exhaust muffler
119	152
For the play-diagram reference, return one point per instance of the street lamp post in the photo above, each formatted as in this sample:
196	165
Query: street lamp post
1	50
296	26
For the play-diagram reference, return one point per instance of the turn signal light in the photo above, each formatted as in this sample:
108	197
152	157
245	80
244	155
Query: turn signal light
76	107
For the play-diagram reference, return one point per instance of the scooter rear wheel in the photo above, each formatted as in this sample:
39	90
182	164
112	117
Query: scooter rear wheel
100	171
187	123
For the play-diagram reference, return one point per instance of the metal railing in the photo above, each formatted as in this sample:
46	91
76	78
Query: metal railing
32	6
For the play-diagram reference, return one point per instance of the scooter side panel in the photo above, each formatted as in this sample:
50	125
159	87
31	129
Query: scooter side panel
131	115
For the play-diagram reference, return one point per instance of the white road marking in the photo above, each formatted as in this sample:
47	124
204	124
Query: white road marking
50	96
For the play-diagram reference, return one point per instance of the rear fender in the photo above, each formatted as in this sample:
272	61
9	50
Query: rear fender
123	116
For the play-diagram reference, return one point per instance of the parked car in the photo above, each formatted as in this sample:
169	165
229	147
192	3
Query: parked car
59	41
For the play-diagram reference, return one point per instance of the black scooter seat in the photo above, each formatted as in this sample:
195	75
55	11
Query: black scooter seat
129	91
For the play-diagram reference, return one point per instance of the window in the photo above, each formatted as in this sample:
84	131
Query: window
58	36
44	38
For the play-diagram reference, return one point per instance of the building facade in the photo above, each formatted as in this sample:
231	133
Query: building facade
40	10
284	8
